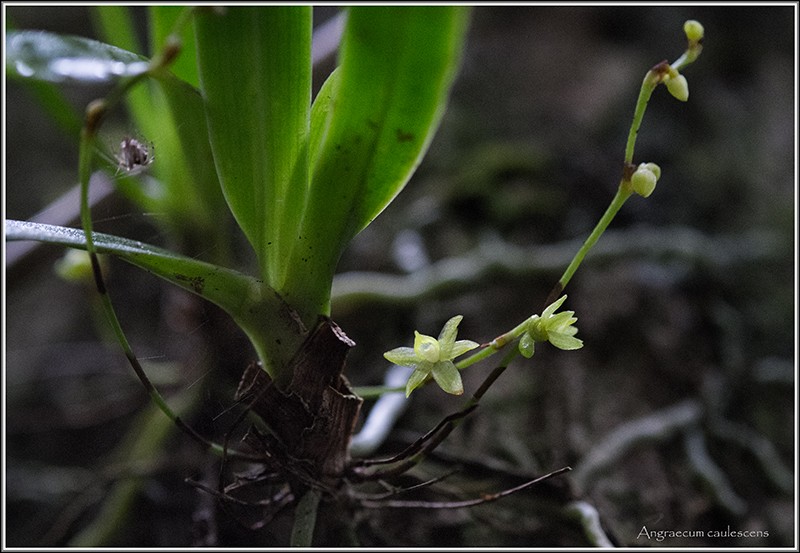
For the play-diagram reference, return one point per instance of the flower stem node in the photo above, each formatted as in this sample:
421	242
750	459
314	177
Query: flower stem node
434	357
556	328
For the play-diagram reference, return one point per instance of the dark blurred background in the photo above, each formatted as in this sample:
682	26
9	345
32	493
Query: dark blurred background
679	412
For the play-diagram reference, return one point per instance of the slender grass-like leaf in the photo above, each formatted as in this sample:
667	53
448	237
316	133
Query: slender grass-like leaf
269	323
396	68
226	288
255	75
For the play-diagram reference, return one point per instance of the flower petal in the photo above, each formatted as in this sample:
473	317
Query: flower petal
568	330
564	341
404	357
415	381
561	319
448	378
449	331
550	309
460	348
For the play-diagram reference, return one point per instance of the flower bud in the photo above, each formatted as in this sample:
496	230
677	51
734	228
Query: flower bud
652	167
643	180
75	266
694	30
527	345
678	87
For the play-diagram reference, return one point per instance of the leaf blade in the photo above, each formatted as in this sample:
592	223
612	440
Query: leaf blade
57	58
397	66
258	109
256	308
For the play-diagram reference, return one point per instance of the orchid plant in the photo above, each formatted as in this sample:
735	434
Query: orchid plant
237	127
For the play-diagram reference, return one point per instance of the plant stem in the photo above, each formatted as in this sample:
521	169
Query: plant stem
619	200
648	86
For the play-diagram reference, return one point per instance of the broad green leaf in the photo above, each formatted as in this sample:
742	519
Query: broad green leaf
257	309
320	115
56	58
416	67
255	76
396	68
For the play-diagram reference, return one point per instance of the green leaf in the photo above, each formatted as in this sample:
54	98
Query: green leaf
115	26
321	111
257	309
61	58
162	22
184	164
396	68
255	75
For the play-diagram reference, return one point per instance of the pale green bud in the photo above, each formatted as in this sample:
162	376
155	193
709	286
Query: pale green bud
654	168
527	345
75	266
679	87
694	30
643	181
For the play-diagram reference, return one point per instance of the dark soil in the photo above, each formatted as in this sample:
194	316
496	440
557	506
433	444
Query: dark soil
678	416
